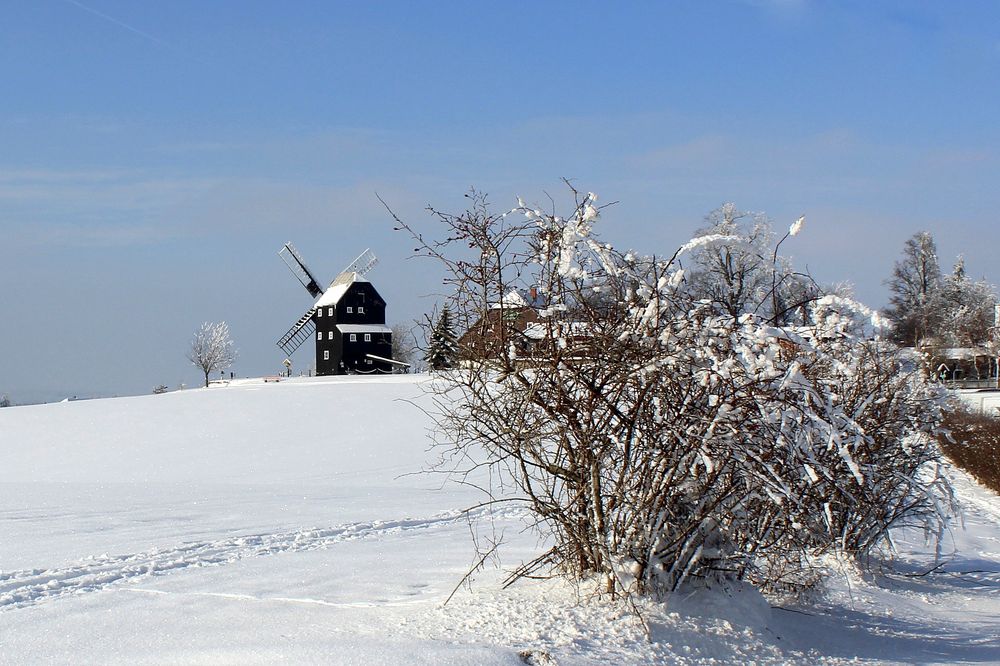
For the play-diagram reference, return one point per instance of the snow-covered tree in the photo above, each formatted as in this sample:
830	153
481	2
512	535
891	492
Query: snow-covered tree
915	279
931	310
442	348
4	401
402	344
963	309
733	263
659	435
212	349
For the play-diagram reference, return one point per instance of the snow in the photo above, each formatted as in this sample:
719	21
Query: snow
962	353
338	288
796	226
542	330
283	523
709	240
981	401
512	299
363	328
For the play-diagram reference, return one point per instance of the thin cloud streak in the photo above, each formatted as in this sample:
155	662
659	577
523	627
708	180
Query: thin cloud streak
121	24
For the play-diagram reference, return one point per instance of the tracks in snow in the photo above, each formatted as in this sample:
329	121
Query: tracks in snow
27	587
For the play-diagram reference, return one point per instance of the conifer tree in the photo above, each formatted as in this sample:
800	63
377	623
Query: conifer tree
443	348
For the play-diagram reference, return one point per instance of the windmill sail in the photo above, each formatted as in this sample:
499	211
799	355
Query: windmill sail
364	263
305	327
298	267
298	333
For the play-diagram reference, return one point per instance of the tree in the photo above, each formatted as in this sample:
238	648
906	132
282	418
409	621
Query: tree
963	309
402	344
915	279
212	349
733	263
928	308
442	350
4	401
659	436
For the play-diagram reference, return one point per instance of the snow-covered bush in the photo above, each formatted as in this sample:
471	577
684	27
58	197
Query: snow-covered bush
658	436
891	415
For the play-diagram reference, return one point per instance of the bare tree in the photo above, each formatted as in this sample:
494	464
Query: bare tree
915	279
403	344
212	349
740	271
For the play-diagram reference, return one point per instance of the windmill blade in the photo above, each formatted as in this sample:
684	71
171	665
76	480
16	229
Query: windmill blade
301	331
298	267
364	263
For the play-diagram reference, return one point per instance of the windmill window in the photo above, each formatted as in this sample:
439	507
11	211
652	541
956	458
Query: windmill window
361	309
350	310
329	312
329	336
319	313
354	337
326	355
368	337
368	361
319	335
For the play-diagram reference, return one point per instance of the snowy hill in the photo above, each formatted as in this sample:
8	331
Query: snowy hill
269	523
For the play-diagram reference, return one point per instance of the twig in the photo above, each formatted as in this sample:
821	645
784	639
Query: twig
478	566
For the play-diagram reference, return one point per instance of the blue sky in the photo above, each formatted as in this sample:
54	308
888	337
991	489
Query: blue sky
155	156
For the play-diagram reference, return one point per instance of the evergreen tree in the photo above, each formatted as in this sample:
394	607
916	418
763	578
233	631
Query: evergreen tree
443	349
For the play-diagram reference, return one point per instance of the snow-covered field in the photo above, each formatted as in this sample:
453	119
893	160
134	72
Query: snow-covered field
268	523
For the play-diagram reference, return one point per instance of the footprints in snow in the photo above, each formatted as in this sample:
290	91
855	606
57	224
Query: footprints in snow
26	587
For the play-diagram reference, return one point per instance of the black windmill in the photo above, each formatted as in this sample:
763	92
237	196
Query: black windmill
347	319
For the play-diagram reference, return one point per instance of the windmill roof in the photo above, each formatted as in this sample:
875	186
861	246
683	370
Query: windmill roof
338	288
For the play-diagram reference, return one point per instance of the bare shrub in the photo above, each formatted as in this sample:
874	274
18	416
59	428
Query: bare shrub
972	441
658	435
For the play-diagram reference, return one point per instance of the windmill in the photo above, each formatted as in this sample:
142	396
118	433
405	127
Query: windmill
352	336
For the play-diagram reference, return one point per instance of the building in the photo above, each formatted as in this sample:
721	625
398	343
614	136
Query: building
351	335
969	367
520	327
501	326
